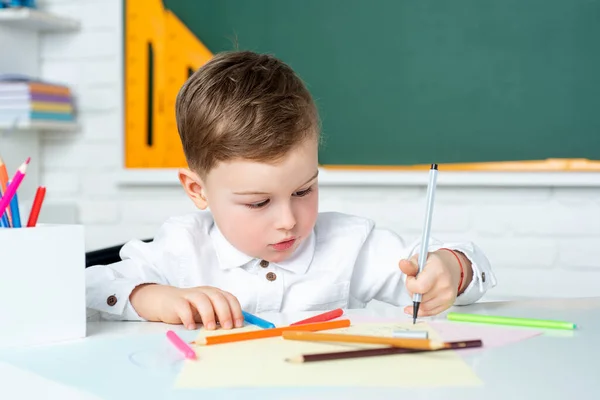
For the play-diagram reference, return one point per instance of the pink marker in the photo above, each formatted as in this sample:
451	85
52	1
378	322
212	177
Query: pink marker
14	185
181	345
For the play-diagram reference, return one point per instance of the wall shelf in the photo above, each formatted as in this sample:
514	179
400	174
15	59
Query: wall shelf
43	126
35	20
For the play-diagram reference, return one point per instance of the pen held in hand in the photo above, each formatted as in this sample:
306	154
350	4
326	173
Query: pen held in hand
417	297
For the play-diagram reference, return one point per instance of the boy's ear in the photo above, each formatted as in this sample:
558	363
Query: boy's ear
194	187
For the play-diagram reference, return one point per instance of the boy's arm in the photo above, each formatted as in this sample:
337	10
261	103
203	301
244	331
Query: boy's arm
377	274
108	287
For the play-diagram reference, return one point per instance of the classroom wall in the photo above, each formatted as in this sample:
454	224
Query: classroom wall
542	241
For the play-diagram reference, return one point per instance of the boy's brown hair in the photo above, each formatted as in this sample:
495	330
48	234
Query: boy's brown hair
243	105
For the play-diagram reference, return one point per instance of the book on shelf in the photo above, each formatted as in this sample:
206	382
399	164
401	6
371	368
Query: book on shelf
24	100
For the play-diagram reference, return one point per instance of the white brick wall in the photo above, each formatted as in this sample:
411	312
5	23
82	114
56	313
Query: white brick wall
542	241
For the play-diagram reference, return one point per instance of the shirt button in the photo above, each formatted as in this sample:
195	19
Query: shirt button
483	276
264	263
111	300
271	276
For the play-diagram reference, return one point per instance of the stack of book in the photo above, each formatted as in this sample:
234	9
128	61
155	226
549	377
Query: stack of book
24	101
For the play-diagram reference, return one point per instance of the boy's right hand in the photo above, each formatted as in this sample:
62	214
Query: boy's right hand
173	305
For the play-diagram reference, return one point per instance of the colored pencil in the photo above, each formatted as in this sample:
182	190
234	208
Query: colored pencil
14	210
3	175
12	189
385	351
254	320
187	351
424	344
272	332
36	206
328	316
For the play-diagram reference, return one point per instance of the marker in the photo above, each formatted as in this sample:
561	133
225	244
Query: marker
254	320
36	206
425	238
327	316
187	351
527	322
406	334
14	210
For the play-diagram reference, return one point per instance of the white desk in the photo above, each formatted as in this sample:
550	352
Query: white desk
559	366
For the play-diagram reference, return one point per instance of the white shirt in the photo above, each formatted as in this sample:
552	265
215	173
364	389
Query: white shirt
345	263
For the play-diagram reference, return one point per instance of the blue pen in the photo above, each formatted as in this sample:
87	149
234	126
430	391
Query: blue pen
254	320
4	221
14	210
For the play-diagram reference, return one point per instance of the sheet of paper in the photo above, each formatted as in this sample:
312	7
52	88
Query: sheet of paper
261	363
20	384
491	335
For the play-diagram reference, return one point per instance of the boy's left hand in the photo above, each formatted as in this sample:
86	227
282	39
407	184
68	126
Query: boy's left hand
438	282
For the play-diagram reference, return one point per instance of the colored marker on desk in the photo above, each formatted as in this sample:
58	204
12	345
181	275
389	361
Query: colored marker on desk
254	320
182	346
526	322
327	316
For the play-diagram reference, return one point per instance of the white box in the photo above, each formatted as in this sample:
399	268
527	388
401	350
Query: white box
42	284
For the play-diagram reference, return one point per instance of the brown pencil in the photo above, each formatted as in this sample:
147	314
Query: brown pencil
423	344
386	351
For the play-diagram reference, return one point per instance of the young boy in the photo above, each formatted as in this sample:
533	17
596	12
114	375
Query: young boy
250	133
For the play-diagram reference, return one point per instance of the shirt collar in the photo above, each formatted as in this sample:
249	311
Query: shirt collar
230	257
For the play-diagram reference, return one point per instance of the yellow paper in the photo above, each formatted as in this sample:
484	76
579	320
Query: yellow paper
262	363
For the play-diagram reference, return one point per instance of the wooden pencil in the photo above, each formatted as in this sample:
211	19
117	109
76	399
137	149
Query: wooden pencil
424	344
270	332
385	351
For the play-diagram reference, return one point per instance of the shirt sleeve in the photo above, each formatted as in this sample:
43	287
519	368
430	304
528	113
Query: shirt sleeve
108	287
483	275
378	276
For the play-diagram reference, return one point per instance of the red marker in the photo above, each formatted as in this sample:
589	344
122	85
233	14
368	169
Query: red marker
328	316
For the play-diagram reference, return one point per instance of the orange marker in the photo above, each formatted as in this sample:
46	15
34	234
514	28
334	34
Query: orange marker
328	316
272	332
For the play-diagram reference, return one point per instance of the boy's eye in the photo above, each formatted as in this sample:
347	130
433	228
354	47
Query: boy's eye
258	205
303	193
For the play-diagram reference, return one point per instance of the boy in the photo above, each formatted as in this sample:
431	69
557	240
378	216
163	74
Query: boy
250	133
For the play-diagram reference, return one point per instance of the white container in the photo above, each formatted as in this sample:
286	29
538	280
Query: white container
42	285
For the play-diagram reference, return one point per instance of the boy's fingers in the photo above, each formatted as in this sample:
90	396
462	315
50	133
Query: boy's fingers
409	267
235	308
422	283
221	308
186	315
205	309
427	310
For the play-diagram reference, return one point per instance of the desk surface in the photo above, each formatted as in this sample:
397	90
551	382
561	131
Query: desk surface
121	360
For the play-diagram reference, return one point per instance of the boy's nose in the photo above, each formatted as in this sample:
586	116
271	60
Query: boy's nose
286	219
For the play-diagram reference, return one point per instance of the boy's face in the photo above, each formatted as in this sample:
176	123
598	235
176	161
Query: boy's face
264	210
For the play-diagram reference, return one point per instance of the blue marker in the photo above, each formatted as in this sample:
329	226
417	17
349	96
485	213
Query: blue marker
254	320
14	210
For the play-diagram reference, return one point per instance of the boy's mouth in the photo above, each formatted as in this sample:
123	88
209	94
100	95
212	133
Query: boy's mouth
284	244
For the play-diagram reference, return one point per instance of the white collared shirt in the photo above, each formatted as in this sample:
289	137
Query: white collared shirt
346	262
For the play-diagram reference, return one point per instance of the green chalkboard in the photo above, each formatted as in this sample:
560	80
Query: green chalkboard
401	82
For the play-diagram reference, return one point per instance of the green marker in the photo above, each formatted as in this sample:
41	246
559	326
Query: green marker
493	319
